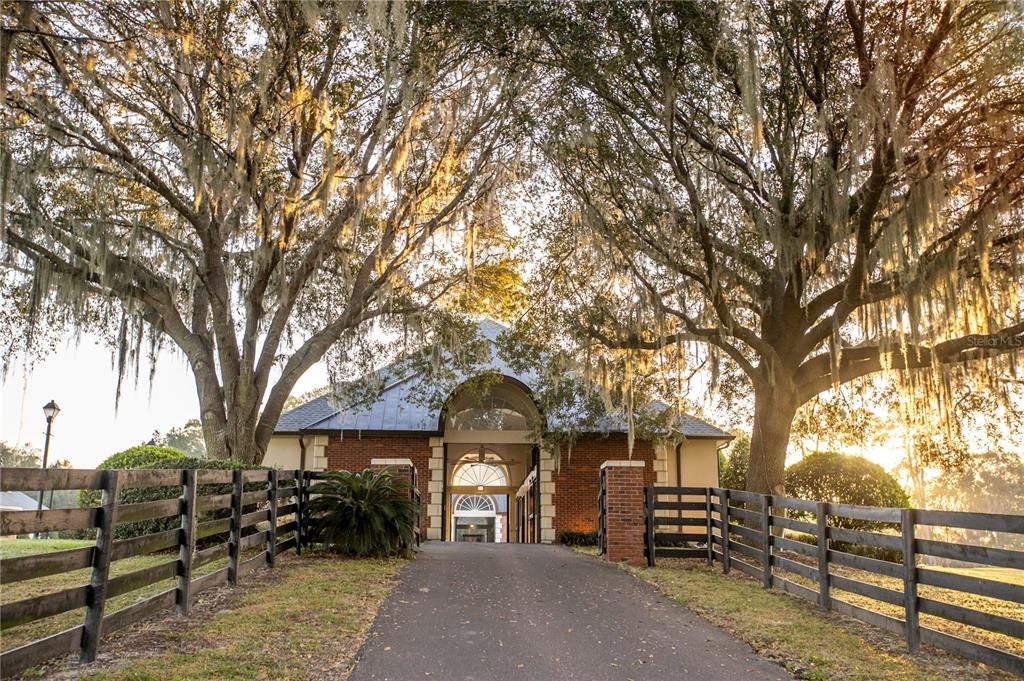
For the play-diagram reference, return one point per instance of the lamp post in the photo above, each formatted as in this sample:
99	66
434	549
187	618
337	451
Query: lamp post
50	410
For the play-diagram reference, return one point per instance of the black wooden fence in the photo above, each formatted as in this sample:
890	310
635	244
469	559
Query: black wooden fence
266	517
745	531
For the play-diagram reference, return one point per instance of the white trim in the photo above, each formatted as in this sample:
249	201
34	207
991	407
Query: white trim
391	462
623	464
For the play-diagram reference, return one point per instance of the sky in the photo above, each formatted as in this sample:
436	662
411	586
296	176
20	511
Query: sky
83	382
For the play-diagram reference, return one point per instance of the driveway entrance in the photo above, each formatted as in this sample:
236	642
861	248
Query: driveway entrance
475	611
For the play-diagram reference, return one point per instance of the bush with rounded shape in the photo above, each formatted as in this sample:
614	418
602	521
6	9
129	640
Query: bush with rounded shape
363	514
142	456
844	479
151	457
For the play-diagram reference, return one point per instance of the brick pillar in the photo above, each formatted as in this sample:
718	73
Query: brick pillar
624	511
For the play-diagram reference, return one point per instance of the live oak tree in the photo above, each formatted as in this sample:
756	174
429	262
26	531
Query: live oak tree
254	181
810	192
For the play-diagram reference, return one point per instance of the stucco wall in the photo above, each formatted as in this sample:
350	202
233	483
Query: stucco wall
283	452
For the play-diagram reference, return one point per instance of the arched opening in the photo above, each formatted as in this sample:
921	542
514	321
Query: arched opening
490	452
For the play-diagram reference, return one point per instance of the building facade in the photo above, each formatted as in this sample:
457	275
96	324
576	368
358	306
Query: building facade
484	473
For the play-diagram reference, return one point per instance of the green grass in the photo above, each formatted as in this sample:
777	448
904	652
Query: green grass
810	643
31	631
16	548
306	623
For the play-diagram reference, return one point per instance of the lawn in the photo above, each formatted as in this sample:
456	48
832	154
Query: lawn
305	622
26	633
809	642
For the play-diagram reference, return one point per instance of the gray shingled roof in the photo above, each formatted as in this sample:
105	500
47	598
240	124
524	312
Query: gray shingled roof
401	408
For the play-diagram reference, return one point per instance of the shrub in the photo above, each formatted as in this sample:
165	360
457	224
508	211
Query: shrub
839	478
579	538
733	467
143	456
369	513
151	457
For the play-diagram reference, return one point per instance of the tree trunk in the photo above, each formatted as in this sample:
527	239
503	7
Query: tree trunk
774	409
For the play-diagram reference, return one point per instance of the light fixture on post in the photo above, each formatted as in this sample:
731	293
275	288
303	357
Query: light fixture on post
481	454
50	411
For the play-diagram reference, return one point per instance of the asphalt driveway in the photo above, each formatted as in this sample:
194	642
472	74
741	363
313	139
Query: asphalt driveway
479	612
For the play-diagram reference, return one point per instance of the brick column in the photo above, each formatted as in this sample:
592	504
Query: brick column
624	511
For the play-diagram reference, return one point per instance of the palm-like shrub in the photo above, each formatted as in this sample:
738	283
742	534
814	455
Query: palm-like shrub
369	513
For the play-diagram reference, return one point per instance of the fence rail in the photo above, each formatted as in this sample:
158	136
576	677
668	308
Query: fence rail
745	531
262	508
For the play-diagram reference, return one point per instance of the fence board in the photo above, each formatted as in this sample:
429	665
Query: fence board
139	578
745	532
992	522
795	589
986	555
289	526
148	510
287	509
249	519
286	544
147	543
210	477
257	561
43	564
37	479
680	491
677	552
795	504
795	525
138	611
143	477
882	541
749	497
879	567
864	589
690	522
975	651
746	550
210	554
212	527
17	660
661	537
974	585
38	607
795	546
974	618
255	476
213	502
877	619
752	517
875	513
27	522
254	497
215	578
254	539
284	492
742	565
678	505
794	566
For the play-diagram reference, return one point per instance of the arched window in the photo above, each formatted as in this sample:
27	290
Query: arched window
474	503
479	475
504	407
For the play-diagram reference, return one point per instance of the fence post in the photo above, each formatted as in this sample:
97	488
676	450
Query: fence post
272	531
707	505
723	497
97	594
824	599
235	537
910	581
766	540
300	482
186	543
649	518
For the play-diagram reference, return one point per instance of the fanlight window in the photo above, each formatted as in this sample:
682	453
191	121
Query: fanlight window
474	503
480	475
491	413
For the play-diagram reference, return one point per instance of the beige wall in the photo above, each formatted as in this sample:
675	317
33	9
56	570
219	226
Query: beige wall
700	464
283	452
